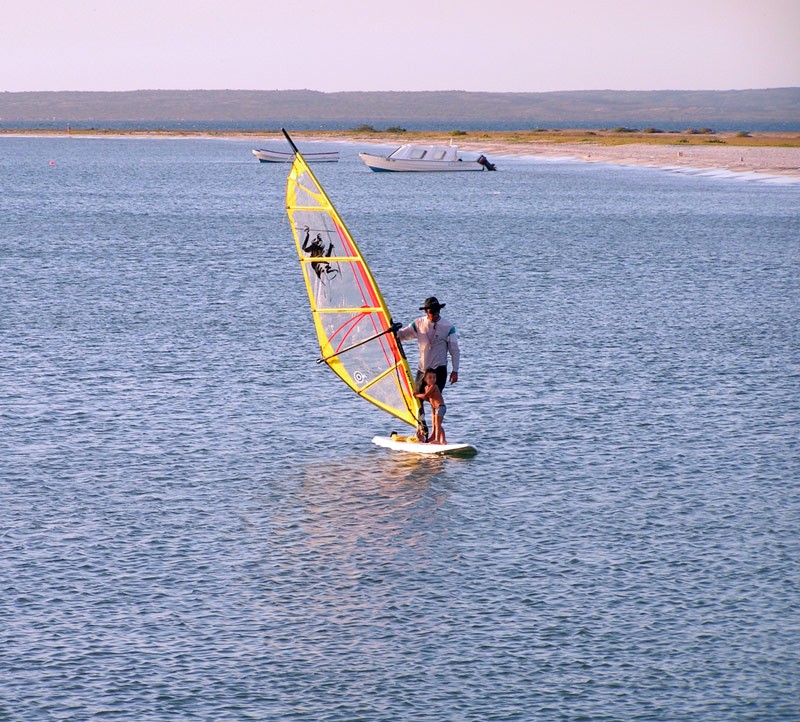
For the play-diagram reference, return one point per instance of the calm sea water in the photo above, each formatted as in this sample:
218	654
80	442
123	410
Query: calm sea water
194	525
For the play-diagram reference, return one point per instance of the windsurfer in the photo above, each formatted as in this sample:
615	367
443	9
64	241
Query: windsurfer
436	337
433	395
316	249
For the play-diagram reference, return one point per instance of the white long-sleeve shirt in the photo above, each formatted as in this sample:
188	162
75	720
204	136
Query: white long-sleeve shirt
436	339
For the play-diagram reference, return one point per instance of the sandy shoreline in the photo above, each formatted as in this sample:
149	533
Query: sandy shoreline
767	159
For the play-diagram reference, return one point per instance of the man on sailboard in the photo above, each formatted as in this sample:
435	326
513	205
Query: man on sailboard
437	338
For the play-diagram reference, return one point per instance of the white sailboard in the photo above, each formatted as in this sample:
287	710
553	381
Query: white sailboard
411	445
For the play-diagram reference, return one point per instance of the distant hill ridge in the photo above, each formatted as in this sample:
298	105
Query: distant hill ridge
274	107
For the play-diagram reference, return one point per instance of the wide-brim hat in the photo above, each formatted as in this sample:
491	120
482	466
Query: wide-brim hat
432	303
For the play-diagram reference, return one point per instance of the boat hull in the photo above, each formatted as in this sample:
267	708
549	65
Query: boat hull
381	164
265	155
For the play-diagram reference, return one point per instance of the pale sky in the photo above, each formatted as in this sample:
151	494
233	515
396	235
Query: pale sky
334	45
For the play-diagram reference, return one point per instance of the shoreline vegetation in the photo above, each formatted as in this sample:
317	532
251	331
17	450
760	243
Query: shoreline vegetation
775	153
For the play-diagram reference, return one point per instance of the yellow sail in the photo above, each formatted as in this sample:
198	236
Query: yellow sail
354	327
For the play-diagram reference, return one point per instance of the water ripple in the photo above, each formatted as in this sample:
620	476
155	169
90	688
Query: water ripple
193	525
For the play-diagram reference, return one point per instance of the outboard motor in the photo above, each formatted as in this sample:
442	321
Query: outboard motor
484	161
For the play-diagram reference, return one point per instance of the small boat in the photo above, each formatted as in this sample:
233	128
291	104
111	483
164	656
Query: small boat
424	158
265	155
356	334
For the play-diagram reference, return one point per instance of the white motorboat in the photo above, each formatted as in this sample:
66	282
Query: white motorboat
278	156
424	158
